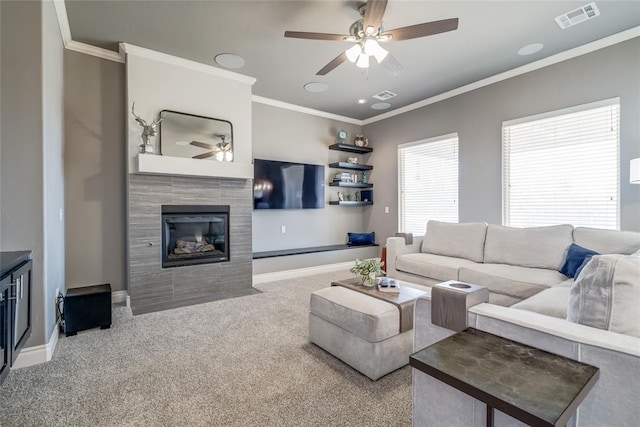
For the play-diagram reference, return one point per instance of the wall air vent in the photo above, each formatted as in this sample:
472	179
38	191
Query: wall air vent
577	16
384	95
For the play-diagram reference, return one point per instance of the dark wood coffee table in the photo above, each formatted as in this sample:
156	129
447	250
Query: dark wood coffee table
534	386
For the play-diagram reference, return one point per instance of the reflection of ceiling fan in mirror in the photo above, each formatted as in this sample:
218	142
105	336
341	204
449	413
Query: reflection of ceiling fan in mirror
368	32
222	150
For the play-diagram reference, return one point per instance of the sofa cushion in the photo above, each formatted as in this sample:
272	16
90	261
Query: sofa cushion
537	247
550	302
456	240
369	318
607	241
607	294
433	266
517	282
576	256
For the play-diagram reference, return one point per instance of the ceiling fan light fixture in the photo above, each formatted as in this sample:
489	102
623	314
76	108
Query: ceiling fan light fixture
363	61
380	54
353	52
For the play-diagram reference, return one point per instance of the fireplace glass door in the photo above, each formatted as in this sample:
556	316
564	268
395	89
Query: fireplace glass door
194	235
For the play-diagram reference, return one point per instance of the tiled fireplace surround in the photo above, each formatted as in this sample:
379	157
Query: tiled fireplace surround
152	287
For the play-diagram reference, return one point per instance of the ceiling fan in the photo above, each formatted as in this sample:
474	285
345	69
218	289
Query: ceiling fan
367	32
221	150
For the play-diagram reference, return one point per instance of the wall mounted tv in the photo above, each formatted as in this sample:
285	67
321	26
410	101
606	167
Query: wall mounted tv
287	185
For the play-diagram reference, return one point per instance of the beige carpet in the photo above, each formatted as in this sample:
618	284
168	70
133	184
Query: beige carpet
238	362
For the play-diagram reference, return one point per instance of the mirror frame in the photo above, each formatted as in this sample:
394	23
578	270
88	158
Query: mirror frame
200	117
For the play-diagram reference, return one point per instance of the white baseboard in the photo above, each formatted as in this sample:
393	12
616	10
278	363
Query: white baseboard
38	353
119	296
300	272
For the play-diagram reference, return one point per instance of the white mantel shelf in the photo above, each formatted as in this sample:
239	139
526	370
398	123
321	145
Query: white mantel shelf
152	164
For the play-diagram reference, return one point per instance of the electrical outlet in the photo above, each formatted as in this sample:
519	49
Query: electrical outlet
61	216
283	229
386	209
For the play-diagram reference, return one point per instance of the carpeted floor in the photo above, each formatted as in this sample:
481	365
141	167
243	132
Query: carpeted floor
237	362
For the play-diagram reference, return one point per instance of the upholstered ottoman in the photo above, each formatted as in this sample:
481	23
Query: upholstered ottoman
360	330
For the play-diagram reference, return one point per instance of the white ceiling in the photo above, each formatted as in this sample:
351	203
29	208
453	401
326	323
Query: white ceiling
486	42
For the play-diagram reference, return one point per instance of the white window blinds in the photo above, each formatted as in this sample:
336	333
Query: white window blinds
563	168
428	183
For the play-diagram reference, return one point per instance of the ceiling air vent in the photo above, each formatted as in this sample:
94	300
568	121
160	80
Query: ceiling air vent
384	95
578	15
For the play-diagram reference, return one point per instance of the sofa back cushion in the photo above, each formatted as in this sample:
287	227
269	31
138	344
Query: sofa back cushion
607	241
606	295
465	240
538	247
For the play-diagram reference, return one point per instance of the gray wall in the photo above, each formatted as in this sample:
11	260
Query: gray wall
53	122
31	150
280	134
477	116
94	169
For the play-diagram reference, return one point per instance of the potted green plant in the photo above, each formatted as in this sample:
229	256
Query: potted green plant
367	269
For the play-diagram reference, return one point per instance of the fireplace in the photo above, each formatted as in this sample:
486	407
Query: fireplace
194	234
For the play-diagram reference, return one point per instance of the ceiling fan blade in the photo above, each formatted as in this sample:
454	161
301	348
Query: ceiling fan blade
422	30
333	64
201	145
204	155
315	36
373	14
391	64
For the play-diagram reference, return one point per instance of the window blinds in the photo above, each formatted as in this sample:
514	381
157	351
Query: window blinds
428	183
563	168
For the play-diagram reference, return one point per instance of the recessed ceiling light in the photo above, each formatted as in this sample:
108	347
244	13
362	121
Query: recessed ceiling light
380	106
229	60
316	87
361	101
531	49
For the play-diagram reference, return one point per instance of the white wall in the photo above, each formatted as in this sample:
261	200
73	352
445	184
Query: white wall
52	140
159	82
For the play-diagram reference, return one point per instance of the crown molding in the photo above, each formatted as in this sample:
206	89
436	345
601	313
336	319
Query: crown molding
129	49
545	62
69	43
305	110
95	51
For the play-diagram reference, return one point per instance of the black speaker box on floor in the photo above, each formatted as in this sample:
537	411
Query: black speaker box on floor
86	308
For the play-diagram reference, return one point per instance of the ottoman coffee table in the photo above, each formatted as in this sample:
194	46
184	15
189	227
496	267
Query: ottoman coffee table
364	327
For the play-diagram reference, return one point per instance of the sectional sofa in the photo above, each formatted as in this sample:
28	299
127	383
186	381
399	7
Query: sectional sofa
533	303
514	263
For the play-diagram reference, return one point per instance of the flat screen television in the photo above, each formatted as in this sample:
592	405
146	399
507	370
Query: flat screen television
287	185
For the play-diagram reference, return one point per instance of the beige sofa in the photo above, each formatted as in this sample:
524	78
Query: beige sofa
514	263
519	266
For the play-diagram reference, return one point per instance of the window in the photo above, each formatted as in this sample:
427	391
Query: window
428	182
562	167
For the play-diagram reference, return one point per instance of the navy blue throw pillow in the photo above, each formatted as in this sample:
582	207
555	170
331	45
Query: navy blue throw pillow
361	239
576	256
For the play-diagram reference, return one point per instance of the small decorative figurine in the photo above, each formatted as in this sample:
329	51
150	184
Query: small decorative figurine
359	141
340	197
352	160
365	177
148	131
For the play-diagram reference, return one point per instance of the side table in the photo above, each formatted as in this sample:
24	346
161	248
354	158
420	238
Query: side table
534	386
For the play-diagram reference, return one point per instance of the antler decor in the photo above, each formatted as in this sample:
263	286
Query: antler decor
147	130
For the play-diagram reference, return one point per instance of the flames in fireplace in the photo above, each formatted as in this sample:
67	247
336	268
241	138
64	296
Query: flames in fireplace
194	234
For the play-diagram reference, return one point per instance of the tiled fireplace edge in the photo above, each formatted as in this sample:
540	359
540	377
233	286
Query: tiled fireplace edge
151	286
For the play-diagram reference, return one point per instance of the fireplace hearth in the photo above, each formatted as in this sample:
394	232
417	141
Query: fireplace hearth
194	234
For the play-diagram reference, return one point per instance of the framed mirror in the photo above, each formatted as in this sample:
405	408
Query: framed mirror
195	137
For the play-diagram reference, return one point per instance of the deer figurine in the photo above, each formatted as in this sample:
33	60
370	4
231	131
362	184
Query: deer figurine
148	130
